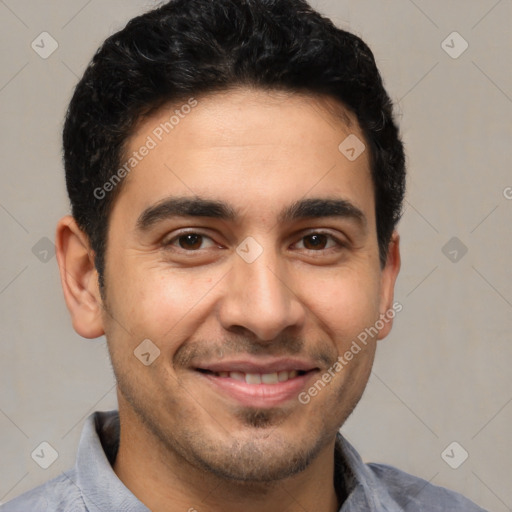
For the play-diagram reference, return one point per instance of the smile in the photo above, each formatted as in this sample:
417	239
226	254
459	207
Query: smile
258	383
259	378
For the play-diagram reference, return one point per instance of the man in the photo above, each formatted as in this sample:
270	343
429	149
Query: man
236	178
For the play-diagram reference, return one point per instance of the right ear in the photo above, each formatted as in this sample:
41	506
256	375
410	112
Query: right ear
79	278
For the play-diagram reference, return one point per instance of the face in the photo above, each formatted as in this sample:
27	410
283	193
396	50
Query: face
243	245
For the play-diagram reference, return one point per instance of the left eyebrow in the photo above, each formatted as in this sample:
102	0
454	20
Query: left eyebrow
319	208
202	207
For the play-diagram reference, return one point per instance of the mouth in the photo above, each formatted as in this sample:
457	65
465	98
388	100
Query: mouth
256	385
256	378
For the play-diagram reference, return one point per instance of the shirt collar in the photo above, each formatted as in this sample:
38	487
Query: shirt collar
364	491
102	490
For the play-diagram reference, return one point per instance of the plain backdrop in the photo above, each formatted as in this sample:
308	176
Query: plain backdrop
442	376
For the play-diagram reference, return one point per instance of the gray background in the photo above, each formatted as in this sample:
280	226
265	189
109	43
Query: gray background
443	374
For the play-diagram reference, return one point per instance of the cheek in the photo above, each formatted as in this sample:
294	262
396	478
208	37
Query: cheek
345	301
158	302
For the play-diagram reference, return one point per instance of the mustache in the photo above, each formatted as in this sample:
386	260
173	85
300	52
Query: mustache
207	351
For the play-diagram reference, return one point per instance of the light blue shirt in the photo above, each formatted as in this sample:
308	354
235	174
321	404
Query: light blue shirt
92	486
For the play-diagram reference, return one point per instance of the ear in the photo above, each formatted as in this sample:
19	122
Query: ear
388	278
79	278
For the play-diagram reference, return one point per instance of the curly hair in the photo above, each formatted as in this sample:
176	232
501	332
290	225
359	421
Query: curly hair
197	47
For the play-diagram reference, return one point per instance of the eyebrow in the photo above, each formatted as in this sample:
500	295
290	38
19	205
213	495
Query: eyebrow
202	207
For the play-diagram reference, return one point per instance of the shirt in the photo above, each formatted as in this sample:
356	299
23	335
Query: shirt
92	485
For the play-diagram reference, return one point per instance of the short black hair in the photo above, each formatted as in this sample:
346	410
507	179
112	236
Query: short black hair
188	48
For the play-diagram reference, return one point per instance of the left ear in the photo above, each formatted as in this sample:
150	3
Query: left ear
387	284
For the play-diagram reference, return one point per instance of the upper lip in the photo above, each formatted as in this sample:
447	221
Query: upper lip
258	365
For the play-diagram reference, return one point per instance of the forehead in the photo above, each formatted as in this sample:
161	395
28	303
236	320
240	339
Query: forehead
247	147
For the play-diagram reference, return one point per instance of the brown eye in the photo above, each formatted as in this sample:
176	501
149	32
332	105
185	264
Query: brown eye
320	242
315	241
190	241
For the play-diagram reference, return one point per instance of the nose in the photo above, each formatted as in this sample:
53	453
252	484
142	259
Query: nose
260	298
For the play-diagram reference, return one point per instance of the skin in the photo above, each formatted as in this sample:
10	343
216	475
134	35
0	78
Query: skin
185	444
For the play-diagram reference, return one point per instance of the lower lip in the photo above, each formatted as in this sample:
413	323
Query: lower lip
259	395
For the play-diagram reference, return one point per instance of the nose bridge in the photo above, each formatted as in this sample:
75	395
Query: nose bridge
258	297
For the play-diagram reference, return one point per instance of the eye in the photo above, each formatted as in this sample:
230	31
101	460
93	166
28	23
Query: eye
319	241
189	241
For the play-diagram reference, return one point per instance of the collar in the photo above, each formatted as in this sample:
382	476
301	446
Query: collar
364	491
101	488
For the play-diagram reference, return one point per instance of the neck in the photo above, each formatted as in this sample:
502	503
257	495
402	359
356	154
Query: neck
165	482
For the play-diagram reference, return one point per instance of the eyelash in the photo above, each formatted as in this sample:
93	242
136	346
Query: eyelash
170	244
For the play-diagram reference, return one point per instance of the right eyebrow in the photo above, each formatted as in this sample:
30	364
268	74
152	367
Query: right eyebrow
184	207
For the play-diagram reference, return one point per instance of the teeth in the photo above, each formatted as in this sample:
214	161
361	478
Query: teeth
282	376
269	378
237	376
253	378
260	378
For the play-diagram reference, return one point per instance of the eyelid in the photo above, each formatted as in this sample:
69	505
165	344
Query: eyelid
168	242
338	240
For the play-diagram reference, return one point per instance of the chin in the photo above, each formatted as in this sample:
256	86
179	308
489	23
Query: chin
259	460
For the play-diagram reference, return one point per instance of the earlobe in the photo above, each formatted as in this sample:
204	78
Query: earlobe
388	280
79	278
